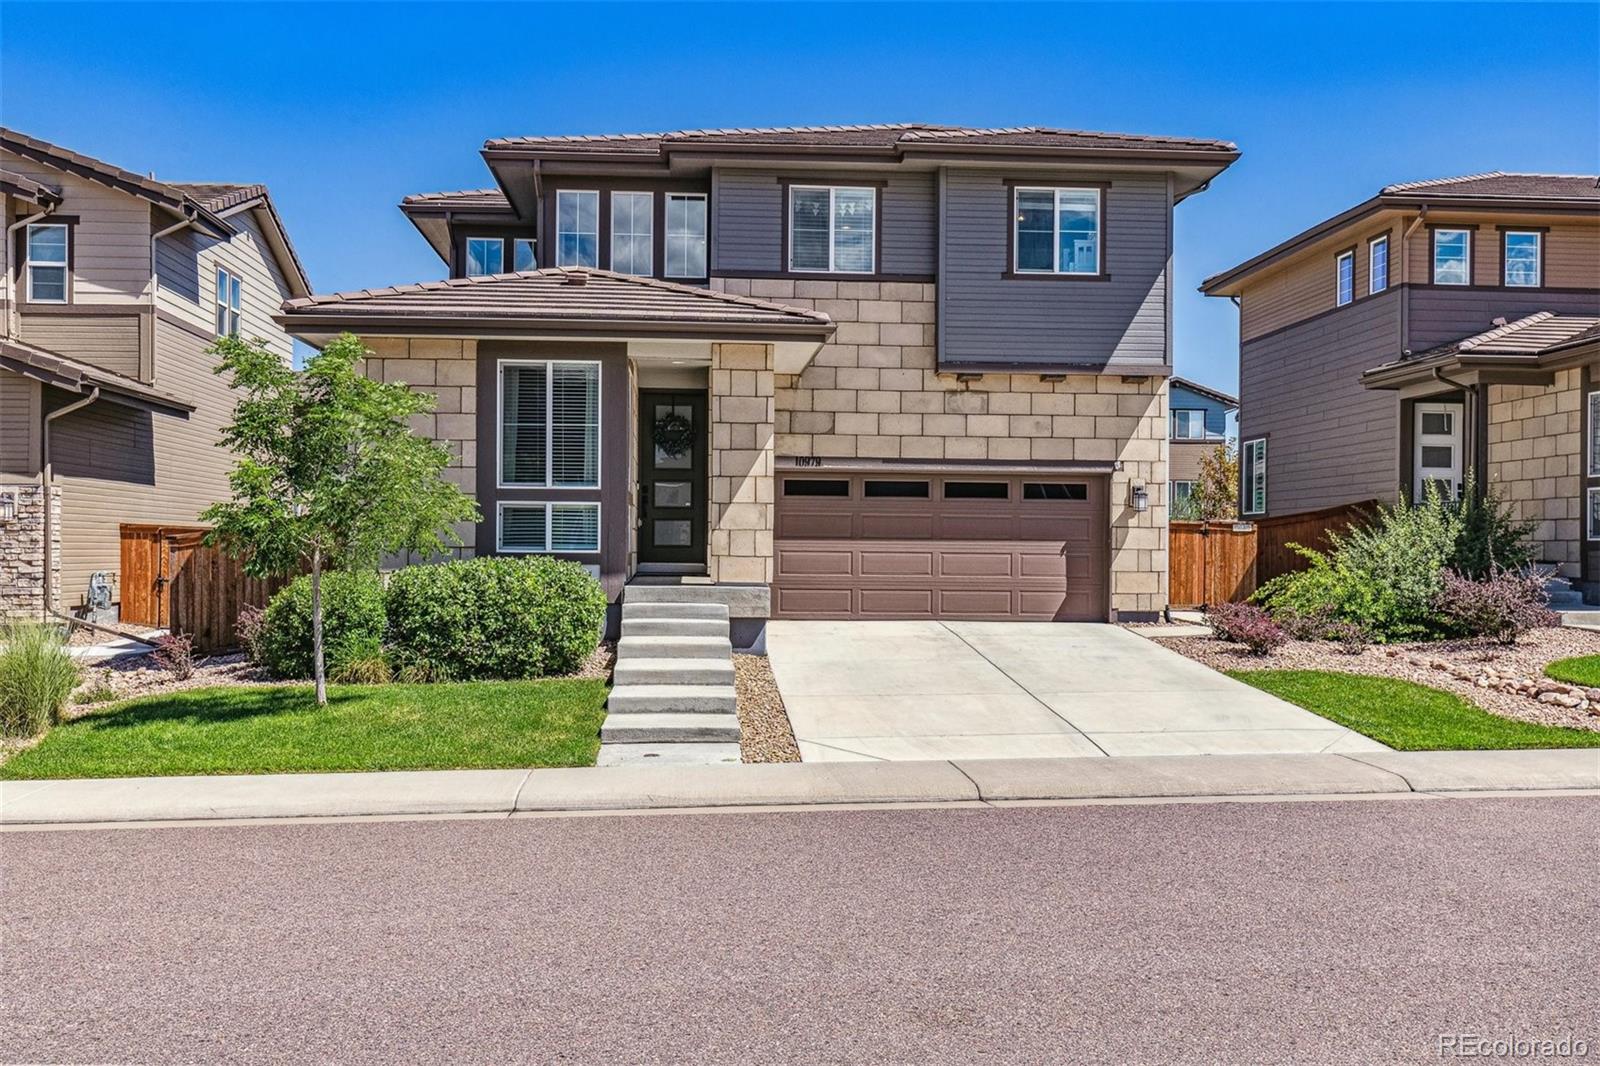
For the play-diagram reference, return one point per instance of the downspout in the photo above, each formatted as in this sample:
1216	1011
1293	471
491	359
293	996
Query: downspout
47	481
1405	276
15	268
1475	397
155	286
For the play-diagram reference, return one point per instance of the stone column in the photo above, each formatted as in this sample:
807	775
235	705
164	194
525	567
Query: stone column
741	512
22	568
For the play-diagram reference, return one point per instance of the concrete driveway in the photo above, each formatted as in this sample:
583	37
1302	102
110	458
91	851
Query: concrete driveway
996	690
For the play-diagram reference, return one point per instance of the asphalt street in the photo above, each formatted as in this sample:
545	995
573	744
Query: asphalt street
1225	932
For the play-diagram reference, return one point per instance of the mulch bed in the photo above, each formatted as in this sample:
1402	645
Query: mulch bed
764	733
1415	662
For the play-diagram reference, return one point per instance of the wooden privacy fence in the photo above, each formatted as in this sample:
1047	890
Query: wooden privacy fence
1220	562
171	579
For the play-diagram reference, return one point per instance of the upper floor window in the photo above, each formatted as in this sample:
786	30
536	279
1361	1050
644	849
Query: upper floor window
633	232
550	424
1523	250
1452	257
1253	476
1057	231
230	302
686	235
485	255
832	229
577	228
1378	264
522	256
47	263
1188	424
1345	278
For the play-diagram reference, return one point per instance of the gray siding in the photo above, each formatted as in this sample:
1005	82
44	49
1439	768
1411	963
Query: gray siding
19	422
747	224
986	317
1330	441
1216	411
108	341
1439	315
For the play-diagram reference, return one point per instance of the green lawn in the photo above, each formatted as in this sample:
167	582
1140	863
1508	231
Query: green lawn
1407	716
1579	670
232	730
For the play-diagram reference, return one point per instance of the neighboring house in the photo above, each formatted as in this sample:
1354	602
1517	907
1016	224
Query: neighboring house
115	286
1199	425
1413	286
888	371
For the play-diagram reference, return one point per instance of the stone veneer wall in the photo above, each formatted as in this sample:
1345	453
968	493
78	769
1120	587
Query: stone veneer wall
742	435
874	392
1536	461
22	580
448	369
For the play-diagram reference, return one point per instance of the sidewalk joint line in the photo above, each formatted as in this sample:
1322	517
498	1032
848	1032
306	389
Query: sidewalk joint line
975	786
1393	773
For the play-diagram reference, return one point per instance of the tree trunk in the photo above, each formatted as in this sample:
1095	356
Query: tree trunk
316	628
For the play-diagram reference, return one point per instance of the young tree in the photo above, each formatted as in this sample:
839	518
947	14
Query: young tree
1216	494
328	471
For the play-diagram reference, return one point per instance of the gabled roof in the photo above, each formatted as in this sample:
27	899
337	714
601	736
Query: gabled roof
886	137
201	203
1495	190
73	376
1533	342
25	188
1232	402
556	301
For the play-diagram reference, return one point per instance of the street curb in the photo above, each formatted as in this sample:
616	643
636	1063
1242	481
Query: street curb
626	788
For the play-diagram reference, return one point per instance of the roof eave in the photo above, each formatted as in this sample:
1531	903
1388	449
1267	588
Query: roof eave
309	323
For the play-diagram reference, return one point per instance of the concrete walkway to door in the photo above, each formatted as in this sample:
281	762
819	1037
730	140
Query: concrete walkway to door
995	690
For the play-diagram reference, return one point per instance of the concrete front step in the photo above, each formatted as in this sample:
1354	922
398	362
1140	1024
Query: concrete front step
715	671
658	699
669	728
632	610
742	601
690	753
631	647
1558	600
675	627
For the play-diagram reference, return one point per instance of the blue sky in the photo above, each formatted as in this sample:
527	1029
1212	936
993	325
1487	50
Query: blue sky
344	109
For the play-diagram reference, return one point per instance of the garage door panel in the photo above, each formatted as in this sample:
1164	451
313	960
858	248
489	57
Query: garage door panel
897	603
895	526
976	603
814	603
808	525
814	561
976	527
977	564
887	562
1051	565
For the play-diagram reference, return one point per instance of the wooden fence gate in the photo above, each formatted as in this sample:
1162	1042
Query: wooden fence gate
171	579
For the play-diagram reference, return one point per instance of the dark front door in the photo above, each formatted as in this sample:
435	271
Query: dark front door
672	476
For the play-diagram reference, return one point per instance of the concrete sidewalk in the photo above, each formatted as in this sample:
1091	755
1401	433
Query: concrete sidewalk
151	799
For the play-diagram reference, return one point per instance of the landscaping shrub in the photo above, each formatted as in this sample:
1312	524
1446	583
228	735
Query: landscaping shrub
1490	540
352	623
175	654
1502	607
1247	624
363	670
248	627
494	618
1350	638
1297	626
36	677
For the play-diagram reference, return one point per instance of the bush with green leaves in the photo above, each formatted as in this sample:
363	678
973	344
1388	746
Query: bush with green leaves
352	623
1491	540
37	675
493	617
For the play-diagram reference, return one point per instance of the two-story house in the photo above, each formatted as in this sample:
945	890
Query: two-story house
116	285
1199	420
885	371
1438	330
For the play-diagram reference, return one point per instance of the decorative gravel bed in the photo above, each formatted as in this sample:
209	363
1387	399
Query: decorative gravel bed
764	733
1525	660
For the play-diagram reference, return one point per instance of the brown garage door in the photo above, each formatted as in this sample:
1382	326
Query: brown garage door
895	545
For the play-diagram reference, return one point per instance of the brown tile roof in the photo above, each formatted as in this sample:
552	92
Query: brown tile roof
462	200
889	137
20	185
1530	335
220	195
1498	184
569	298
64	373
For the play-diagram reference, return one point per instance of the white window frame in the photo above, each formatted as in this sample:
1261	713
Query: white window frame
1381	241
833	214
650	259
1201	411
533	250
559	231
1591	468
1055	231
1341	297
64	265
705	234
236	314
1433	255
1538	259
1253	468
549	424
466	256
548	507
